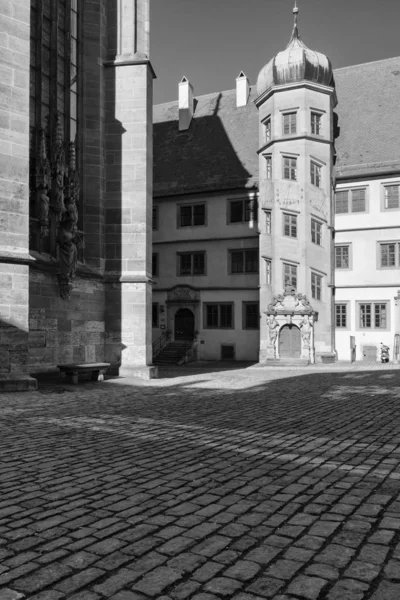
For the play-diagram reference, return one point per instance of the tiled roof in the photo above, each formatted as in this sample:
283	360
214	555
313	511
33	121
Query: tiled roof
219	150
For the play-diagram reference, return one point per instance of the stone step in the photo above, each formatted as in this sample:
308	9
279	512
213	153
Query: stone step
287	362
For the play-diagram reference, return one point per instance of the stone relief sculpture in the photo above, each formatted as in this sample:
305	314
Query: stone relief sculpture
276	303
306	328
43	184
273	327
67	240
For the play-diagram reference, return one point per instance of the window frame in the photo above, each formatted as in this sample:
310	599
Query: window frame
373	304
268	167
315	174
316	234
349	249
290	266
243	251
289	121
192	206
268	270
191	253
267	122
344	304
350	200
292	219
396	244
384	202
268	221
218	304
290	167
316	286
245	210
154	223
245	305
318	117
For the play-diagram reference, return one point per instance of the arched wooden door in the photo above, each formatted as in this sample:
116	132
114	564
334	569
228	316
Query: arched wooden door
290	342
184	324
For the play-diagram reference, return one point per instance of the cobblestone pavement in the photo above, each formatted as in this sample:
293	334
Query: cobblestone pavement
246	484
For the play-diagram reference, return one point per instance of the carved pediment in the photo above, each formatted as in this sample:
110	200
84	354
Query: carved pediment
290	302
183	293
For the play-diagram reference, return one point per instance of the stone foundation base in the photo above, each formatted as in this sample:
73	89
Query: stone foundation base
17	382
141	372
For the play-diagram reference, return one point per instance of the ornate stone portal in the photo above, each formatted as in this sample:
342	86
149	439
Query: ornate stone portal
291	308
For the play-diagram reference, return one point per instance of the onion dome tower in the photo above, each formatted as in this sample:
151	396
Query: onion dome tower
296	98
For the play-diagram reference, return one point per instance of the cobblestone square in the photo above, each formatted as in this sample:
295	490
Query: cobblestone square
244	483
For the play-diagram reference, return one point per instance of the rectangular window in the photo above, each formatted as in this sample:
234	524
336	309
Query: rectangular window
392	196
357	201
250	315
268	161
315	123
289	275
390	254
154	264
290	168
373	315
244	261
290	225
341	315
218	316
289	123
192	215
192	263
350	201
155	218
342	257
155	314
316	284
315	174
342	202
239	211
268	270
316	232
268	132
268	221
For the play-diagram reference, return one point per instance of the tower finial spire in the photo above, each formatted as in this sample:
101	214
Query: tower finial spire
295	32
295	12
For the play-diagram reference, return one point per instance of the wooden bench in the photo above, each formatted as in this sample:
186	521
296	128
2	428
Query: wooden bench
98	370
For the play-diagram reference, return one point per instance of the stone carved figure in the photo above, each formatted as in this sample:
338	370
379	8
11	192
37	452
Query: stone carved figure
276	303
273	327
43	184
302	302
306	328
59	170
72	187
67	241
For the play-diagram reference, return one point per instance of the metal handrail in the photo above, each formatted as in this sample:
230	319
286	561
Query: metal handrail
160	342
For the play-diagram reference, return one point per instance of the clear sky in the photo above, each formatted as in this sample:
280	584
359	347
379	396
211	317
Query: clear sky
211	41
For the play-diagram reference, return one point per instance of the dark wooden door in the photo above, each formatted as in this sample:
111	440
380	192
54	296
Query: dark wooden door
290	342
184	324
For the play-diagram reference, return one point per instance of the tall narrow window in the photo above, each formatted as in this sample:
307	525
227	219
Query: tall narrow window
316	285
268	162
316	232
289	275
267	129
341	315
55	212
392	196
315	123
268	271
290	225
315	173
289	168
289	123
268	221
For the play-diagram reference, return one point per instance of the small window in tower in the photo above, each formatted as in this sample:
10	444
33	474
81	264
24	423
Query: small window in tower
267	129
315	173
316	123
290	225
268	221
289	123
268	162
316	285
290	168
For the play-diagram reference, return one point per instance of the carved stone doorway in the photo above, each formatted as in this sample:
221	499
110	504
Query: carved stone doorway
184	324
290	342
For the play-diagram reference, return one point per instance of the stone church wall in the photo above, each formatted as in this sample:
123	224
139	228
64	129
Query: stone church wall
63	331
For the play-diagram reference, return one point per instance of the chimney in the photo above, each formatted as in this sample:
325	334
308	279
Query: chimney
242	90
186	104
